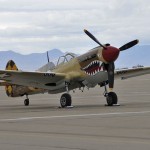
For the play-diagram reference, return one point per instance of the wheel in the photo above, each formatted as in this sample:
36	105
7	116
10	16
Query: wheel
65	100
111	98
26	102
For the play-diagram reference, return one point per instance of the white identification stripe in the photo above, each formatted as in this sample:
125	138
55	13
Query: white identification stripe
71	116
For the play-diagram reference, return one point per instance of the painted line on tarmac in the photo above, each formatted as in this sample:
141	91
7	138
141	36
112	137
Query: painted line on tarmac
72	116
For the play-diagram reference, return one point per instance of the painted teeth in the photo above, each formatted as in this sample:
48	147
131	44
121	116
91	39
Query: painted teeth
91	73
92	63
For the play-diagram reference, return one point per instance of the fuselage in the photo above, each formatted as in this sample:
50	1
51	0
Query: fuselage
84	70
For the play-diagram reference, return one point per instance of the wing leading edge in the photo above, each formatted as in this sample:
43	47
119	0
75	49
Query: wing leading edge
129	73
44	80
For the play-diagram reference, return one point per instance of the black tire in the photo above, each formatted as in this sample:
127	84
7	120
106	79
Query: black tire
26	102
65	100
111	98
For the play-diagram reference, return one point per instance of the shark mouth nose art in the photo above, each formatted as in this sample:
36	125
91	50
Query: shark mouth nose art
93	68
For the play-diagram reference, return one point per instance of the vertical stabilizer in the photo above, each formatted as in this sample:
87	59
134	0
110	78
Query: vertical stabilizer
10	66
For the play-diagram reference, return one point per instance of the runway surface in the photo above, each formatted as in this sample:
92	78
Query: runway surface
88	126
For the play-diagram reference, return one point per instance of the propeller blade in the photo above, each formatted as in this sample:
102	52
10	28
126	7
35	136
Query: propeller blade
47	57
129	45
94	38
111	68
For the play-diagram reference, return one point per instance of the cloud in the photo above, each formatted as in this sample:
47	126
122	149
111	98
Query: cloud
39	25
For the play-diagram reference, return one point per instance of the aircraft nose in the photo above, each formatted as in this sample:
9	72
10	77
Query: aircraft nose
110	54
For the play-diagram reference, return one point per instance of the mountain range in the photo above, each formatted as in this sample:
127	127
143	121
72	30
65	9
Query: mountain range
29	62
138	55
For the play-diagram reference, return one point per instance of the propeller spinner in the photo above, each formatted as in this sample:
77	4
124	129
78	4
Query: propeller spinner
110	54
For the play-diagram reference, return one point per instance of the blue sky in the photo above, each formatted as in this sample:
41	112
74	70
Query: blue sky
29	26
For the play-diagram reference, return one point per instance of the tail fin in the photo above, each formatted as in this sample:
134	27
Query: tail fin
11	65
9	88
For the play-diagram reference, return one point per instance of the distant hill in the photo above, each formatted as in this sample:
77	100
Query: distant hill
131	57
28	62
139	54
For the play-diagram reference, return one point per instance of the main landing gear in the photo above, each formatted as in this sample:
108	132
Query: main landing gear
65	99
111	97
26	101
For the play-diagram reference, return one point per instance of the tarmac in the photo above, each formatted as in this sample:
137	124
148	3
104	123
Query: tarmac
89	125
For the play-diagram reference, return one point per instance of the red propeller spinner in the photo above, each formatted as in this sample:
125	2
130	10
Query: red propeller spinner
110	54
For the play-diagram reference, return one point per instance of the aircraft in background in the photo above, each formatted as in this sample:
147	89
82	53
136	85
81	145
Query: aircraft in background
95	67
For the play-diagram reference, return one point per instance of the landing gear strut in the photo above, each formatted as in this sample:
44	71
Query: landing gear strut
65	99
111	97
26	101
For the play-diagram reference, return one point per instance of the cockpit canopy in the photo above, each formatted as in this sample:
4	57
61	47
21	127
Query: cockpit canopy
65	58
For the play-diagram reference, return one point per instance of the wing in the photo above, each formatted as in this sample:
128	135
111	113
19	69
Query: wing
129	73
42	80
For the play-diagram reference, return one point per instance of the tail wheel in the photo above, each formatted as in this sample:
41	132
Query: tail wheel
26	102
111	98
65	100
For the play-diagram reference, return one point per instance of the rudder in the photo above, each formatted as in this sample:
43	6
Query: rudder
9	88
11	65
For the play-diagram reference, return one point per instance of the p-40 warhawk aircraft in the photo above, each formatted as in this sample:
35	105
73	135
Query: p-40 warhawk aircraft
96	67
